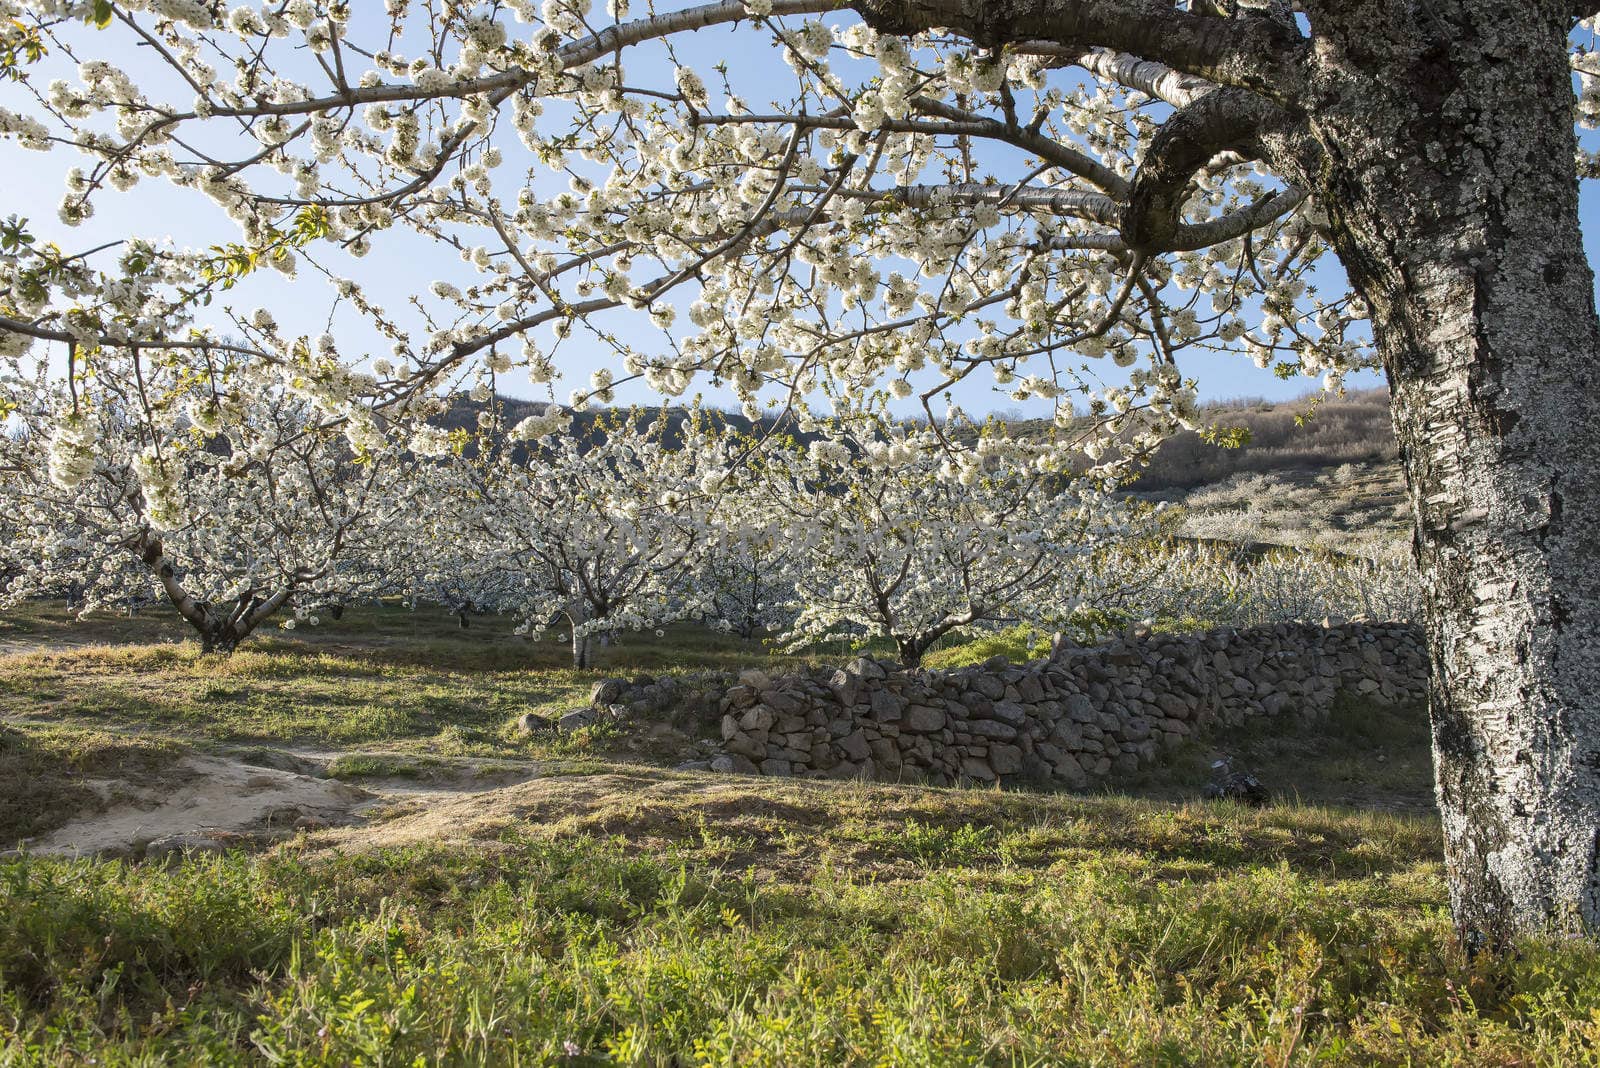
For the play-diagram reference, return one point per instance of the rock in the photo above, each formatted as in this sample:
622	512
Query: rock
533	723
758	718
697	765
178	844
1009	712
607	691
1005	759
777	767
923	719
867	668
856	746
1081	708
578	717
1232	785
722	765
782	702
845	687
730	726
743	745
755	679
973	768
988	728
989	686
887	707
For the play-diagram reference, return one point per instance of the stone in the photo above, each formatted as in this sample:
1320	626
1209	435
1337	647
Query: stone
746	746
887	706
1005	759
781	702
578	717
758	718
179	844
533	723
867	668
696	765
855	746
845	687
989	686
722	765
1236	785
730	726
1080	708
923	719
988	728
755	679
607	691
973	768
978	706
1009	712
777	768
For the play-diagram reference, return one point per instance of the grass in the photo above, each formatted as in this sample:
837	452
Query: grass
809	923
604	913
362	681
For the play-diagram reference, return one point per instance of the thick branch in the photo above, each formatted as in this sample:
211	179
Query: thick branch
1253	52
1226	120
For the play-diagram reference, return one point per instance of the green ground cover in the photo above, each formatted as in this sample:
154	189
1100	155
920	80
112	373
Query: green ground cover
609	911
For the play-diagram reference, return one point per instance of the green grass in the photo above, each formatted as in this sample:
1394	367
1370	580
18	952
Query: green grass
600	913
814	924
443	691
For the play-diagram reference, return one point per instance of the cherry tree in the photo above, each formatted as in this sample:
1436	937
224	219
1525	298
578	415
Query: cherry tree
231	526
602	531
883	545
748	575
1028	189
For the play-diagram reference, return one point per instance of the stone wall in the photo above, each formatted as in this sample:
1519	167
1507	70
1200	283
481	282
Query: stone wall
1077	716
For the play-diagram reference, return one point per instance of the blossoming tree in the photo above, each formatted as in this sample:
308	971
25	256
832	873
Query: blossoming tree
231	525
883	545
604	533
943	189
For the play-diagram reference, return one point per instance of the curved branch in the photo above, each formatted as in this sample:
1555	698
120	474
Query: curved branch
1226	120
1254	52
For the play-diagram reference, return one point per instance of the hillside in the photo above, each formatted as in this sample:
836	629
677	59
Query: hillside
1307	434
1322	476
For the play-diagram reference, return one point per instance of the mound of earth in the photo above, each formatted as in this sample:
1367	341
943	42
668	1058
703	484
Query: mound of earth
205	803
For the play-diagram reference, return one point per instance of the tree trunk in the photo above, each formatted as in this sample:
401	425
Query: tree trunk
910	651
580	650
1443	143
217	637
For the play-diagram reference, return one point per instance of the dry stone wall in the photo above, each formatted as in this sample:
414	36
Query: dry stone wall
1080	715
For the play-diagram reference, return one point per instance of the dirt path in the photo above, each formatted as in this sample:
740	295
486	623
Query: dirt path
210	802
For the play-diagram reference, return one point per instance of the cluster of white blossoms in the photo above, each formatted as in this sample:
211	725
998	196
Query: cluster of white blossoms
839	238
72	450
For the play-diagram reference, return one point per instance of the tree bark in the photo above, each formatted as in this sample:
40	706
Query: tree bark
1440	144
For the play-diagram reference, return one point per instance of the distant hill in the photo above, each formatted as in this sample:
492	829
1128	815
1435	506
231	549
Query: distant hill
1353	429
1332	481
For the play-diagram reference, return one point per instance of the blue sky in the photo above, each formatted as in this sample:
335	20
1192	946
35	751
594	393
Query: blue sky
403	263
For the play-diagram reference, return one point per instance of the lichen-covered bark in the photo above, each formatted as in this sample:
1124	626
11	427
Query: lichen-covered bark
1439	138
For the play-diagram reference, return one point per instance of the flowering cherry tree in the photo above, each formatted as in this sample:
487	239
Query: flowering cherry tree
231	526
602	533
885	546
942	189
748	577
